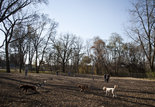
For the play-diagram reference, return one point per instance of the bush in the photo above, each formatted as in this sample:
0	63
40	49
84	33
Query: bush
151	75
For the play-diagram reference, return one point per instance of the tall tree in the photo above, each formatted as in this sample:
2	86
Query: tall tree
115	43
143	28
77	54
9	26
84	65
20	45
64	48
30	47
45	43
10	7
99	56
44	29
10	16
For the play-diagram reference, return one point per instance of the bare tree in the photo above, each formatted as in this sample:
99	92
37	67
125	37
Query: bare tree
46	42
77	54
30	47
20	45
42	37
8	30
10	7
142	30
115	45
64	48
10	16
51	57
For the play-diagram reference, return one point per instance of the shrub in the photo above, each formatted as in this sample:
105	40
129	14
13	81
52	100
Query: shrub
151	75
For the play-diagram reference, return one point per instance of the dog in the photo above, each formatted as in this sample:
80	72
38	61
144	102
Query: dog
28	87
83	87
112	90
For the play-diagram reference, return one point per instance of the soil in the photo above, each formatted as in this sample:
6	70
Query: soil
62	91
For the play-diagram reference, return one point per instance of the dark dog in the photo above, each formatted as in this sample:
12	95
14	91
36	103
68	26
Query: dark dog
28	87
83	87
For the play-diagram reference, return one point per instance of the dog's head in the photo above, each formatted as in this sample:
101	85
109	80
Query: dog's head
20	86
104	88
115	86
78	85
45	81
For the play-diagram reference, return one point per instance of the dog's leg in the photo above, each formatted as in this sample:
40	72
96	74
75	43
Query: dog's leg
113	94
106	93
25	91
81	90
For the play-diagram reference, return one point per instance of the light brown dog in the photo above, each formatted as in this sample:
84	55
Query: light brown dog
83	87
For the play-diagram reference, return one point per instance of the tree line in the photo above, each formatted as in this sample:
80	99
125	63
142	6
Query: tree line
31	39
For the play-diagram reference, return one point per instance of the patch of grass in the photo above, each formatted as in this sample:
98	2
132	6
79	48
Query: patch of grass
2	70
151	75
46	72
11	70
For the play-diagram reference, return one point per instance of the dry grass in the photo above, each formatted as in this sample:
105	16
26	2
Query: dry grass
62	91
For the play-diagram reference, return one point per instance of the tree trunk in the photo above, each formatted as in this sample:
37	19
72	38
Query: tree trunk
152	68
7	58
63	68
20	67
37	70
21	61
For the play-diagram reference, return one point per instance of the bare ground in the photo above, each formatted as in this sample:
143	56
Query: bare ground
62	91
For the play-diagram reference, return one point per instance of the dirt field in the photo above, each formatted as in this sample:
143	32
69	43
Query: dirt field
61	91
